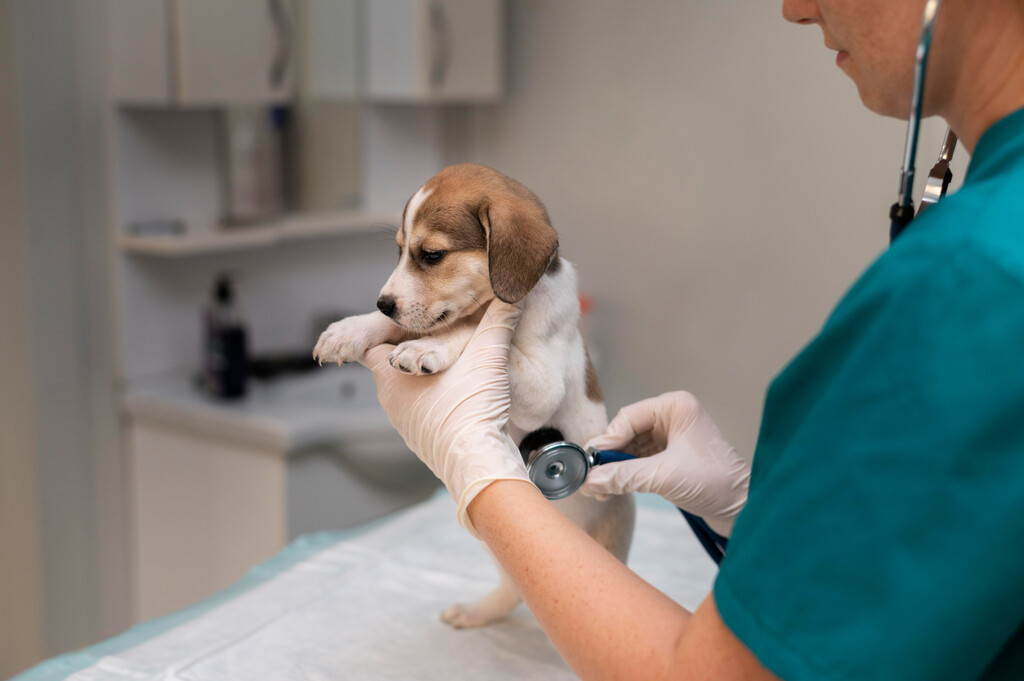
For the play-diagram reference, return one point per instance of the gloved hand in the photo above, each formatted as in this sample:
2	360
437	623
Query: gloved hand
682	457
456	421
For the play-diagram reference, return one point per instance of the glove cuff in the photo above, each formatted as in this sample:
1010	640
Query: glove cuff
470	493
498	459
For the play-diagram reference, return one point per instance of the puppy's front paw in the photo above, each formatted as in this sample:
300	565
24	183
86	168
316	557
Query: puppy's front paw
344	341
421	357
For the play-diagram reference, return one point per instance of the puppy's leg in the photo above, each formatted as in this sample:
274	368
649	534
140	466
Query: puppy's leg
493	607
538	385
432	354
346	340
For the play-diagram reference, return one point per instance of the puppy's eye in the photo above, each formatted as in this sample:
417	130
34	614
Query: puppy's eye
431	257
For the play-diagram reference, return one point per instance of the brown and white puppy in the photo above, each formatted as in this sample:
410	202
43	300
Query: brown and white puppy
468	235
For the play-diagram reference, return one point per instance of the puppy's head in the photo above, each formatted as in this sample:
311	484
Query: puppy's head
467	235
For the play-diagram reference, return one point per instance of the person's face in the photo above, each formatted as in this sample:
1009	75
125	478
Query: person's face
875	41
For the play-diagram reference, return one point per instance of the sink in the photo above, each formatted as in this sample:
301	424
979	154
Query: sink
350	385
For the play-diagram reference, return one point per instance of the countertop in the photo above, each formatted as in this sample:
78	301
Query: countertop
328	407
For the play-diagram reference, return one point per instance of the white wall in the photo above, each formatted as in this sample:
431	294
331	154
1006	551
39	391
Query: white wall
21	616
71	358
710	171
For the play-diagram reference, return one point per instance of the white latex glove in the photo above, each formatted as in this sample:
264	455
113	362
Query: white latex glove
682	457
456	421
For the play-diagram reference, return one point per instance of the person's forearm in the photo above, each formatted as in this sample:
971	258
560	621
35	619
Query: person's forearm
605	621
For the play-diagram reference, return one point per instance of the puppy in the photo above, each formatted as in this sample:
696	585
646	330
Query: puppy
468	235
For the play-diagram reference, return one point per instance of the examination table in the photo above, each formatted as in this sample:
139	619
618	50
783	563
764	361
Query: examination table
364	604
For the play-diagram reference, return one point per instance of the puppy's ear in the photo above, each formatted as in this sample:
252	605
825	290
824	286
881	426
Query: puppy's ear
520	245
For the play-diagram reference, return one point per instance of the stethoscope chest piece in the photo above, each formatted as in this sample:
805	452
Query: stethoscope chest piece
558	469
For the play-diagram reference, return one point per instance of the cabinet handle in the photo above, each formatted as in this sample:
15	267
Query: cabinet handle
283	24
442	44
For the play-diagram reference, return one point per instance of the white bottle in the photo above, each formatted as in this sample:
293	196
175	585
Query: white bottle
253	165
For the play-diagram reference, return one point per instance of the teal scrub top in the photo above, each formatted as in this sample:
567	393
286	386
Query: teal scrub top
884	533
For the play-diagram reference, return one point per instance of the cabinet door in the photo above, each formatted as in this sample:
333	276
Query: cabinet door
394	50
139	51
465	48
331	42
232	51
203	511
433	50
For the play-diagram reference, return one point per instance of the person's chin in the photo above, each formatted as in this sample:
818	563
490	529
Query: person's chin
882	104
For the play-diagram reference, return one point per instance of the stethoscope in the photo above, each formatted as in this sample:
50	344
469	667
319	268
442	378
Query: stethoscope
902	212
559	468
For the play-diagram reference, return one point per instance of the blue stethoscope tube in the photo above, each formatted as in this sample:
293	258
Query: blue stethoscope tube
560	468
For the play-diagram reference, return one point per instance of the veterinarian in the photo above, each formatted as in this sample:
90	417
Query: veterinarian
882	534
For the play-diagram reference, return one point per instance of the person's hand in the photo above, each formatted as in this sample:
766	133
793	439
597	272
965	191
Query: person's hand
682	457
457	421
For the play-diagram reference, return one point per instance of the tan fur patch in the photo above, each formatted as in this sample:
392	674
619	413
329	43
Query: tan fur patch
593	389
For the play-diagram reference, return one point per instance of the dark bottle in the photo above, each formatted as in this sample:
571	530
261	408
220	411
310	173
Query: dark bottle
226	357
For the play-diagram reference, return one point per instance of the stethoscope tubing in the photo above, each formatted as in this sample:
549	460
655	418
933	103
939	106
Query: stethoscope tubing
714	544
902	212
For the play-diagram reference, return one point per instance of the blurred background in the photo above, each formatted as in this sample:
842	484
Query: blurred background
190	190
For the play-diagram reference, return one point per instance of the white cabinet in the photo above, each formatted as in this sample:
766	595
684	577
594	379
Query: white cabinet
330	49
234	50
216	52
433	50
216	487
201	52
204	509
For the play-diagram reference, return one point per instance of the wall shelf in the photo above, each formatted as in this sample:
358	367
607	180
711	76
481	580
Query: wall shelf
287	229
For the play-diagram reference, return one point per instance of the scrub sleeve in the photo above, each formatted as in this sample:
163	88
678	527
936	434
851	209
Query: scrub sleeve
884	533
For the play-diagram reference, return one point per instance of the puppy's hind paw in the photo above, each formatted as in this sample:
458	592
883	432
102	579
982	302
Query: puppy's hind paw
463	616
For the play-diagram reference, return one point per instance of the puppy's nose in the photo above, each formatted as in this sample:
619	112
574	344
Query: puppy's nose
386	304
